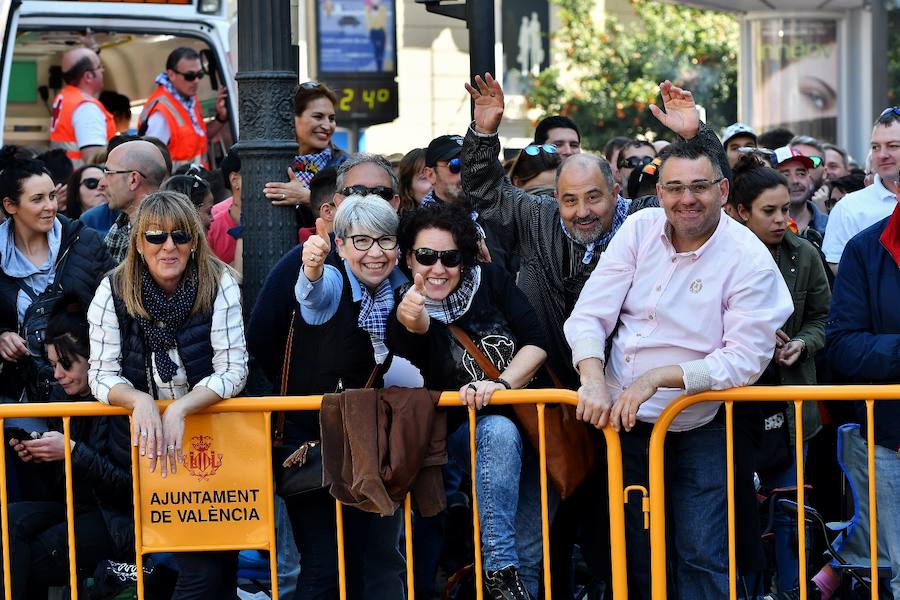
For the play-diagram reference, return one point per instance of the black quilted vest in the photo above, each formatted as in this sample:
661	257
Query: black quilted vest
192	341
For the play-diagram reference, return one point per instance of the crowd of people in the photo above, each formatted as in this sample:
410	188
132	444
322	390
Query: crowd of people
650	270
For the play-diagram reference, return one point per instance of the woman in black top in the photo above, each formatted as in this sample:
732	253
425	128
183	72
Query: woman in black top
439	242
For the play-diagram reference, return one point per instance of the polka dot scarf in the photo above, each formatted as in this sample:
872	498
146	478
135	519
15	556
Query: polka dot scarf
167	314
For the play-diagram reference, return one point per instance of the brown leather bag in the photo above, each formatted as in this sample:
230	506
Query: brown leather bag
572	446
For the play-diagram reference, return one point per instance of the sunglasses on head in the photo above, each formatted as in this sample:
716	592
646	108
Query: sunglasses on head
191	75
364	190
455	165
633	162
310	85
157	237
535	149
427	257
890	109
90	183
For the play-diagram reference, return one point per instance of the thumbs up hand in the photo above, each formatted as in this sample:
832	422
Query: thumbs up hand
411	313
315	250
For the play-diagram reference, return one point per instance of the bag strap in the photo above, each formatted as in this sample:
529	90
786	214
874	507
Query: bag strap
463	338
278	433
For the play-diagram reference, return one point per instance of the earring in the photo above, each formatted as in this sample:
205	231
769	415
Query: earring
192	252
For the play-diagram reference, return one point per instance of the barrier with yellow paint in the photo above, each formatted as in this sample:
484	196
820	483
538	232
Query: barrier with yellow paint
230	442
794	395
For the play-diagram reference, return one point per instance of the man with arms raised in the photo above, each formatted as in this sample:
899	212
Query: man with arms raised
691	301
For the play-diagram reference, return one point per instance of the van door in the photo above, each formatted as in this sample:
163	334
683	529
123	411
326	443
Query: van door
8	20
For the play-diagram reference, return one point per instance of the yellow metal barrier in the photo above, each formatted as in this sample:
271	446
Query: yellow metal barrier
795	395
267	405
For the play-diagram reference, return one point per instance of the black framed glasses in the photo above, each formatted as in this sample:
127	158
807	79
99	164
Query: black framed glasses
427	257
108	172
697	188
190	75
158	237
535	149
364	242
90	183
634	162
363	190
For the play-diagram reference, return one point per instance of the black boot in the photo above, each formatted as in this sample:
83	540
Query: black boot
505	584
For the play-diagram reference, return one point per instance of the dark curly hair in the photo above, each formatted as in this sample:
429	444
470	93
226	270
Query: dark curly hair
752	177
446	217
14	169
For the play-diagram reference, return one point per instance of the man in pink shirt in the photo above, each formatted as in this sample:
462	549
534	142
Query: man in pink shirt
697	299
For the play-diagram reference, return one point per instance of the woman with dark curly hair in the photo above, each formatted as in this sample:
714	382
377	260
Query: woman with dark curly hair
440	248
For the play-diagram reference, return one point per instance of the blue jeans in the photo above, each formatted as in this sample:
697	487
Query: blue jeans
784	527
696	506
887	497
507	481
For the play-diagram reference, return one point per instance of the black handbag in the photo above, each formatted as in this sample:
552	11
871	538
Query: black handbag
297	470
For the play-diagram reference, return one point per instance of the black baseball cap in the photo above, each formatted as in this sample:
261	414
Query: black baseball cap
445	147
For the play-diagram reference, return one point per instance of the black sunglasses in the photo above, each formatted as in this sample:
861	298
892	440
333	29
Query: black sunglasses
364	190
179	236
633	162
90	183
427	257
191	75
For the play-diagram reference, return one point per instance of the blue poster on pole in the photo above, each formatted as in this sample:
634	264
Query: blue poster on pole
357	36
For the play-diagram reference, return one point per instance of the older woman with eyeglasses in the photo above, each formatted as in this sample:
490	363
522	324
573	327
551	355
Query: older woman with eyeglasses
343	303
439	243
167	324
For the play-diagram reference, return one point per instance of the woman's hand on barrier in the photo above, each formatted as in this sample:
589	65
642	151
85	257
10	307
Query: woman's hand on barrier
146	429
49	447
12	347
478	394
173	434
411	312
624	412
290	193
594	404
315	250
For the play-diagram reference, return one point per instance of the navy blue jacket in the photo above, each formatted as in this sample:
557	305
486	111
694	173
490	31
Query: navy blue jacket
863	328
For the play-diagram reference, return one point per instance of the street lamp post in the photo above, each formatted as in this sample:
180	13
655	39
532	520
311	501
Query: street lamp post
266	78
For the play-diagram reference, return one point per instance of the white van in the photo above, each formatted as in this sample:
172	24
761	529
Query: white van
134	38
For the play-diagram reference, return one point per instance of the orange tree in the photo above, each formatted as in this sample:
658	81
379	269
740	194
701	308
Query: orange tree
610	71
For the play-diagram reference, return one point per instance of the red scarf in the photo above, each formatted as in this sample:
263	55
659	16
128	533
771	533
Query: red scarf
890	237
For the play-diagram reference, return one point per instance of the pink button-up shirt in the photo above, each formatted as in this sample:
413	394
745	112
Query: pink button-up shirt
713	311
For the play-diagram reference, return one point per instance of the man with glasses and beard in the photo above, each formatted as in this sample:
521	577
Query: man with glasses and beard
173	112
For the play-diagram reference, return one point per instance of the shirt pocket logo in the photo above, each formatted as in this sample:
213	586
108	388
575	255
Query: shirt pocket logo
696	286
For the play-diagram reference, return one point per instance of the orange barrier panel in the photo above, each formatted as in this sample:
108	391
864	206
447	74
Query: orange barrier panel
158	532
795	395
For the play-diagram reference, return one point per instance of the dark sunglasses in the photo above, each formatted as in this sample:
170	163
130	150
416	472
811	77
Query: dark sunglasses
364	190
890	109
535	149
455	165
179	236
310	85
191	75
90	183
633	162
427	257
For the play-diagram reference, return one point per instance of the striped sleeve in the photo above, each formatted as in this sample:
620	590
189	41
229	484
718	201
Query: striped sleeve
105	370
228	342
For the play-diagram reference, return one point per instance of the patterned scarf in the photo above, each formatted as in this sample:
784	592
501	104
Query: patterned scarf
167	314
188	103
374	309
458	302
618	219
306	166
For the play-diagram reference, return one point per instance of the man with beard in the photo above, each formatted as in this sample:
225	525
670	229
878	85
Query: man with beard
796	167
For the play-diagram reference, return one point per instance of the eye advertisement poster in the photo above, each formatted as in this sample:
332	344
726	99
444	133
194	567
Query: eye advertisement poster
795	76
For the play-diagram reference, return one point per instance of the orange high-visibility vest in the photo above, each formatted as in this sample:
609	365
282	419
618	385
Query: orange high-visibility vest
62	132
184	142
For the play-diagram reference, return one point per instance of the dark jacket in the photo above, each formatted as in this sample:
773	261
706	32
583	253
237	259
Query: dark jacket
805	277
377	445
84	261
863	328
192	341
